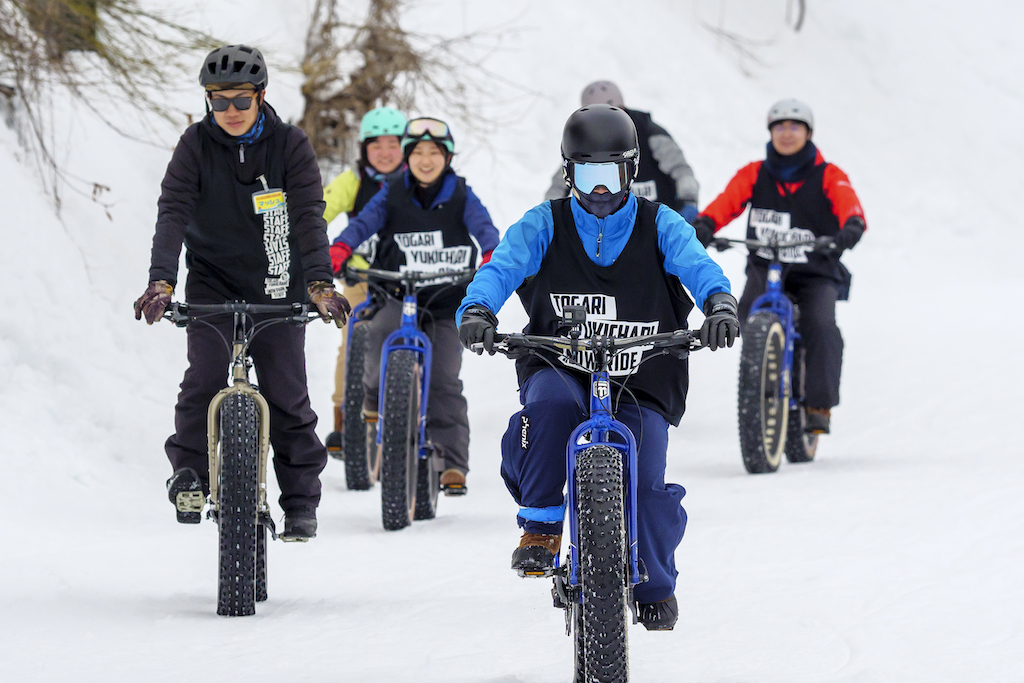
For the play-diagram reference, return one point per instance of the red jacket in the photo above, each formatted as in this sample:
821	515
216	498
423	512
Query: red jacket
733	201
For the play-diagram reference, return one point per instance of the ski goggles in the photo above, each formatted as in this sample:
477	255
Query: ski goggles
614	175
432	127
242	102
434	130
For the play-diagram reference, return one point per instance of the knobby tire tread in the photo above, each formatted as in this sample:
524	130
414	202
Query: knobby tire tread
399	416
602	557
359	474
237	518
261	563
800	446
755	382
428	486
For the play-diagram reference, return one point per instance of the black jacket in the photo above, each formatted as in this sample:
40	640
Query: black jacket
234	251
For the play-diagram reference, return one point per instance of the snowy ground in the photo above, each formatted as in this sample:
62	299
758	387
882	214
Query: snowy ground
895	557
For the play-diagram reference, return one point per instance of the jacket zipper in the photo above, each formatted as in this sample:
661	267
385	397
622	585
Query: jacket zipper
241	154
600	233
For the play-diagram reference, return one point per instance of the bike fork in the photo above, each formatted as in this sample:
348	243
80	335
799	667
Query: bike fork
240	386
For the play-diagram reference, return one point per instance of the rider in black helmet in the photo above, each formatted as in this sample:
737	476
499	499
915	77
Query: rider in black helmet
624	258
242	193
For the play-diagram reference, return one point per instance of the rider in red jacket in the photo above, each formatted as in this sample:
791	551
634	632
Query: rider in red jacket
796	191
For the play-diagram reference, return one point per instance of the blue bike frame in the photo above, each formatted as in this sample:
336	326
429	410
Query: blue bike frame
408	337
354	318
775	301
602	424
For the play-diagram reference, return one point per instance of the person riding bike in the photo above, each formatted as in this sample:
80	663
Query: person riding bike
796	192
242	192
380	154
625	259
662	175
427	219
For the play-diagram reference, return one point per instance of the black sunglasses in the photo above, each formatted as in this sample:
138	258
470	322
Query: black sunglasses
242	102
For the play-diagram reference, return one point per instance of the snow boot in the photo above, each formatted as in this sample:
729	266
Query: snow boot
818	420
658	616
453	482
299	524
334	439
188	493
536	553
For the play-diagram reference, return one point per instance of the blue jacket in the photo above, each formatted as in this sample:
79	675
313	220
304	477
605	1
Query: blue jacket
374	215
522	249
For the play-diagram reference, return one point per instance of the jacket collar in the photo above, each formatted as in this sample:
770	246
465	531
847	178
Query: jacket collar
447	180
270	122
619	223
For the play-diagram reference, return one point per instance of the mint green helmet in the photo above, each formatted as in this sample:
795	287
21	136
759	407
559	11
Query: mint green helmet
381	121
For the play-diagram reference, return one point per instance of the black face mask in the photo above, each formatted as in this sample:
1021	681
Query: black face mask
602	205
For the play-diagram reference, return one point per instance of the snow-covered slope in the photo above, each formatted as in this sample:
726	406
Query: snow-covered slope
895	557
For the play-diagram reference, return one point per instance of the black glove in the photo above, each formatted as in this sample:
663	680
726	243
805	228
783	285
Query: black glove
826	245
477	326
721	326
851	233
705	229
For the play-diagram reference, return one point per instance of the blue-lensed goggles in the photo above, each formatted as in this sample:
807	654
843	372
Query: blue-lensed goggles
586	177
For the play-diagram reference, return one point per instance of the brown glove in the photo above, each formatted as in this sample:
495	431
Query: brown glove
154	301
330	304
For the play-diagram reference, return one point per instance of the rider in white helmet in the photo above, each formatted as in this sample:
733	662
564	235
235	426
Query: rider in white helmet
663	175
796	190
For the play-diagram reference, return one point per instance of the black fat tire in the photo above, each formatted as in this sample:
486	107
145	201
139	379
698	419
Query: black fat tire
398	444
579	650
602	571
763	406
428	486
261	563
236	518
361	464
800	446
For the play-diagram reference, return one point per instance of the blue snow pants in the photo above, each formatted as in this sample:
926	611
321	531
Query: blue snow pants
533	465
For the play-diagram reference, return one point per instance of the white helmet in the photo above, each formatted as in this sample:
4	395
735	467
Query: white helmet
602	92
791	110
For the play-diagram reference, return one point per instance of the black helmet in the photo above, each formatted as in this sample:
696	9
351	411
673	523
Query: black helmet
234	64
600	133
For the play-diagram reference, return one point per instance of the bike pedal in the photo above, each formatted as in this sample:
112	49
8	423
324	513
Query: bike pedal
536	573
454	490
293	539
334	445
189	505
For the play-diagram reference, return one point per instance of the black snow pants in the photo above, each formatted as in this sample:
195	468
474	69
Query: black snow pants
816	298
278	354
447	410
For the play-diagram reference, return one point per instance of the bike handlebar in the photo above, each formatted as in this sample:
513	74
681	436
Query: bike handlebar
717	242
411	277
181	313
506	343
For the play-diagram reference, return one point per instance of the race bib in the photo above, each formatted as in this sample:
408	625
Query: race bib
601	320
769	225
425	253
648	189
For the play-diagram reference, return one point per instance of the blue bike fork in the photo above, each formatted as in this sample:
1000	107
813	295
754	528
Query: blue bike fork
601	426
775	301
408	337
